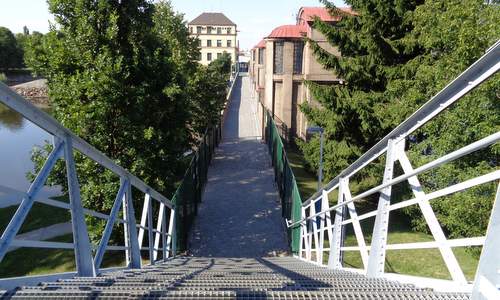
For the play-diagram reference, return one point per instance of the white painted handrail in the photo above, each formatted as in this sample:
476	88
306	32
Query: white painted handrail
315	221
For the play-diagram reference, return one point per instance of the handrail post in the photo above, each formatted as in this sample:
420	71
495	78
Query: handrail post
487	278
171	229
376	260
164	235
150	231
325	221
83	251
335	257
143	219
133	252
158	229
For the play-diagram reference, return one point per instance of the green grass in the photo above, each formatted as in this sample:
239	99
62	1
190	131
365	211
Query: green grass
419	262
30	261
33	261
306	181
40	215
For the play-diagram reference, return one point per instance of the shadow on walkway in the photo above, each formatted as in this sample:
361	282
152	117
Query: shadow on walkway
240	214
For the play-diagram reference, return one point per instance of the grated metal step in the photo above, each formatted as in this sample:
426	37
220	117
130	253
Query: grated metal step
230	278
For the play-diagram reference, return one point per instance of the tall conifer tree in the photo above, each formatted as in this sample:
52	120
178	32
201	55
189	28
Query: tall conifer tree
372	47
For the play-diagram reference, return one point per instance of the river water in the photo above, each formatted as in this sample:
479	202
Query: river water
18	138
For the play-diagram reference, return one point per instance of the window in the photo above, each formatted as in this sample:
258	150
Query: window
219	55
209	29
209	56
278	58
219	30
209	43
219	43
199	56
198	29
228	30
229	44
261	56
253	55
190	29
298	54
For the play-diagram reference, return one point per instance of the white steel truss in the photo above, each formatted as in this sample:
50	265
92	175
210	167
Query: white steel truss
487	281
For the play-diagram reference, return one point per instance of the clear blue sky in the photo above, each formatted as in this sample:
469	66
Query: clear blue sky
255	18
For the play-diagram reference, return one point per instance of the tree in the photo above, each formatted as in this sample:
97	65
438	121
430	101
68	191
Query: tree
372	47
34	53
395	56
452	35
116	83
207	89
11	55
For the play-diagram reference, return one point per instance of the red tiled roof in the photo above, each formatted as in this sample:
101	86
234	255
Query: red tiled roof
307	14
261	44
288	31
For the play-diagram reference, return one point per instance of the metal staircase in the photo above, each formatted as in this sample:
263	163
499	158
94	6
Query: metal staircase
317	271
230	278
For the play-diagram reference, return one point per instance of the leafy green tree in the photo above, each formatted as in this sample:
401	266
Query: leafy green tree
208	88
11	55
452	34
116	83
222	64
34	53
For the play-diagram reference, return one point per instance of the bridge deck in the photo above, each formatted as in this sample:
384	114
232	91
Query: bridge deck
240	215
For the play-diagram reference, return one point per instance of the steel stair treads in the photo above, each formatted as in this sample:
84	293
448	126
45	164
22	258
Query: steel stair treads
227	278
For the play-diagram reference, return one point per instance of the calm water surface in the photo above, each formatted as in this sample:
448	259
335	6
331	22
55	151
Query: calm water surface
18	138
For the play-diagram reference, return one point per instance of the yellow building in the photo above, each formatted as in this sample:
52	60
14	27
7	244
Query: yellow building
217	34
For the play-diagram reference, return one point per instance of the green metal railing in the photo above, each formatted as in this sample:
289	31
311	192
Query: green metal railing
188	194
291	201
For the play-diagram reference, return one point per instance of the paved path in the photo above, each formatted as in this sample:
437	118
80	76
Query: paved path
240	215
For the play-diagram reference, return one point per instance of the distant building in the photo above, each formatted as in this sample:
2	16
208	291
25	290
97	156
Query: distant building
217	34
243	61
281	63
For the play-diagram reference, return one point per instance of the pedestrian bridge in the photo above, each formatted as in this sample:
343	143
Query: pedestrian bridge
237	228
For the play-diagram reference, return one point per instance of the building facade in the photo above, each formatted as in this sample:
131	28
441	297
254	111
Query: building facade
281	64
217	34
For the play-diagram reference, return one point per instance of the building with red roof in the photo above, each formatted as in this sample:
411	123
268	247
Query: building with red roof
282	62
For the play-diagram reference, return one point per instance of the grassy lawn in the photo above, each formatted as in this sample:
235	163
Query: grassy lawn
306	181
38	216
32	261
419	262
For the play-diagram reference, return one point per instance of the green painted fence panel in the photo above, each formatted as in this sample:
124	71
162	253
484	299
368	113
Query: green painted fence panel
291	201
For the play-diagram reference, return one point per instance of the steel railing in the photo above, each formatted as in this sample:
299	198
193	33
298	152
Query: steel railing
88	257
283	176
329	222
161	239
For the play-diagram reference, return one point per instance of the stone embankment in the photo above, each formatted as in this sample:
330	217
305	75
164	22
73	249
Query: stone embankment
35	91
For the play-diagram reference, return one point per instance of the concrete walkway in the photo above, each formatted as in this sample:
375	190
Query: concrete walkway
240	215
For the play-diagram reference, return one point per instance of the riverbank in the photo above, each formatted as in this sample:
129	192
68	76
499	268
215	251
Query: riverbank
35	91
